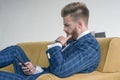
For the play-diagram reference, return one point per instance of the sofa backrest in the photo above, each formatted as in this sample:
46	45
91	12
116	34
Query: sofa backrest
36	52
110	55
104	45
112	63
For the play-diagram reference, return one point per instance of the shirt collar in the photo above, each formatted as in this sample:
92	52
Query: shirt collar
82	34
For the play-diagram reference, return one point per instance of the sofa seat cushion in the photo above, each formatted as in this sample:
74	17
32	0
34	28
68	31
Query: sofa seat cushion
8	68
96	75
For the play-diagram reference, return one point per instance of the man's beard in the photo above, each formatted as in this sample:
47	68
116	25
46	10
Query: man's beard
74	34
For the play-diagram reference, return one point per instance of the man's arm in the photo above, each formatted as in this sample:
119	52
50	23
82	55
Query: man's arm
82	58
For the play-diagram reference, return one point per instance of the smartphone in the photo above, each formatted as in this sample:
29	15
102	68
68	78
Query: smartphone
20	60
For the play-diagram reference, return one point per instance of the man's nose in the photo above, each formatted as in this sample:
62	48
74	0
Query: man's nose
65	29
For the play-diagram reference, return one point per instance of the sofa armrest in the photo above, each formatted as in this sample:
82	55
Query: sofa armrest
36	52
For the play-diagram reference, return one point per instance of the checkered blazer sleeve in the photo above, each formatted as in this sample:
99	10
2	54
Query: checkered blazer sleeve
84	57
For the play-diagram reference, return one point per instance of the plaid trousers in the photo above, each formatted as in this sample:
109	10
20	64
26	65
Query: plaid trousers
7	56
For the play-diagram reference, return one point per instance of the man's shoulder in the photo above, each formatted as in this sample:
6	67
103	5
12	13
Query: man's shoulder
88	39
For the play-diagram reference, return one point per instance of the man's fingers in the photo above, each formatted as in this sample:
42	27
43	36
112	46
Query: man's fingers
69	36
24	68
28	69
27	63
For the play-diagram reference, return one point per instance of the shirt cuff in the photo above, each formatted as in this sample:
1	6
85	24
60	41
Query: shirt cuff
38	70
53	45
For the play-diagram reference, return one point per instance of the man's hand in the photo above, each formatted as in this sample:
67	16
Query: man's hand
63	39
29	69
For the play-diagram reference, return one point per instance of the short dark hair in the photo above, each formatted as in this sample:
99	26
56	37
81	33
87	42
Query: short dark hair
76	10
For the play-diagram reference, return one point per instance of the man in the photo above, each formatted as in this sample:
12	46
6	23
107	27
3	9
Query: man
79	52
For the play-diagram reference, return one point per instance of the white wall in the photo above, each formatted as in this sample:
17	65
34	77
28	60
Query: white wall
39	20
0	36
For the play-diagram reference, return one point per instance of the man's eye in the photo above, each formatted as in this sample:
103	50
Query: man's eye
67	25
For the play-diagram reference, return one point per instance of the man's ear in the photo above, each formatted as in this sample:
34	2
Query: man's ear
80	23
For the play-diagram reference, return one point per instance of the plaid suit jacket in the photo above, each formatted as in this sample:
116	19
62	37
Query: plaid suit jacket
81	56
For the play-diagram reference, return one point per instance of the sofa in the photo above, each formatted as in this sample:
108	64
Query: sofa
108	68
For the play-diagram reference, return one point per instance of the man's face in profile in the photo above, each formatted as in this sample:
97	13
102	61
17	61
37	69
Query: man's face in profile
70	27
